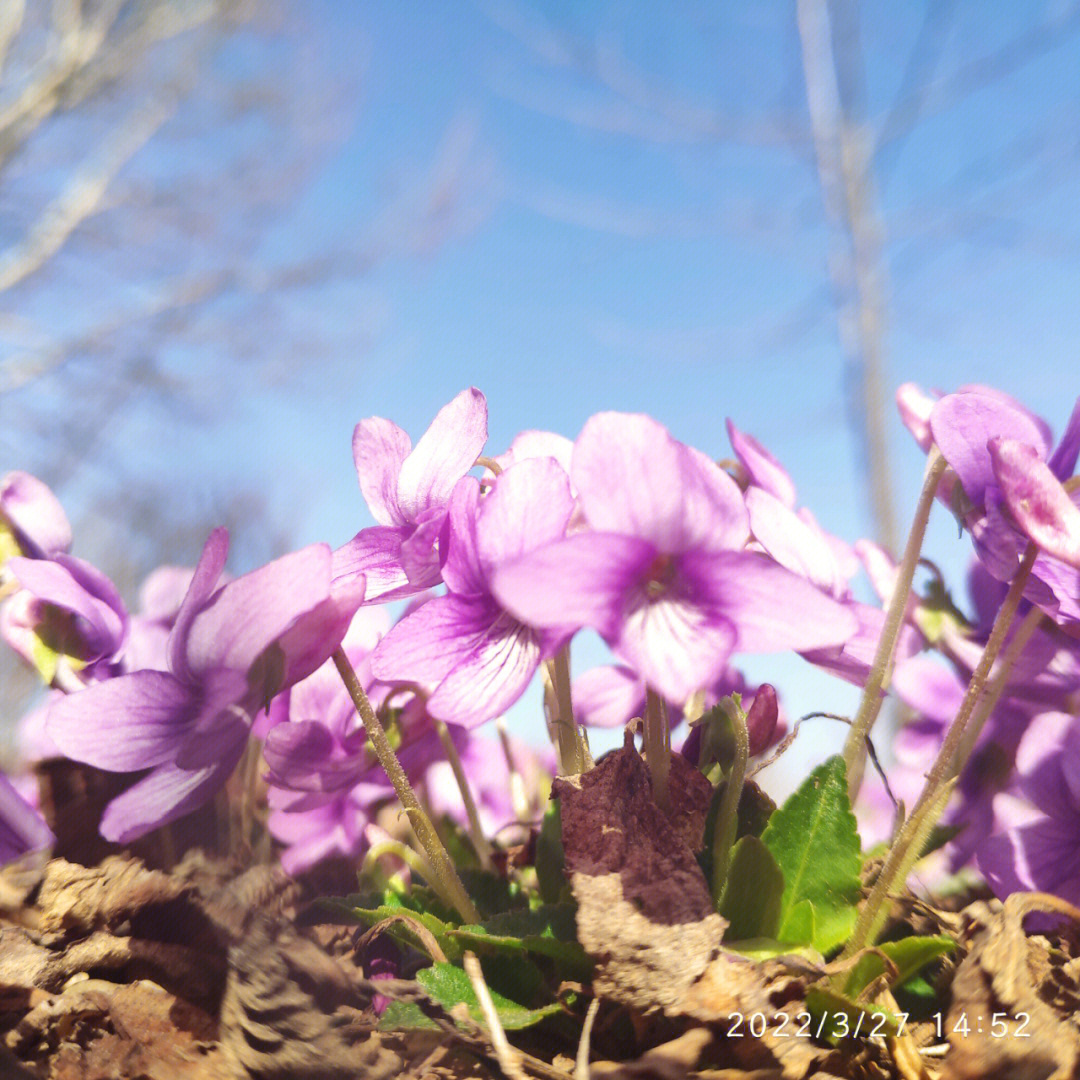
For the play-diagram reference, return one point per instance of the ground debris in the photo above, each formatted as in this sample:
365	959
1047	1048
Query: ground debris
99	1029
1009	977
646	916
76	899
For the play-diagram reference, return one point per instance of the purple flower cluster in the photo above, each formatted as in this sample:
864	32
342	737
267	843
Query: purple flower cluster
678	563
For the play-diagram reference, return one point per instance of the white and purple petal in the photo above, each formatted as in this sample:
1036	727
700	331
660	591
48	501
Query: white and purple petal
964	423
380	448
444	454
764	470
1037	500
773	608
579	581
133	722
35	515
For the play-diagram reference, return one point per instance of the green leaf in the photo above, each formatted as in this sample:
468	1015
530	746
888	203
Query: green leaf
403	930
449	985
910	955
490	892
770	948
827	1007
549	931
753	892
404	1016
815	842
550	857
800	925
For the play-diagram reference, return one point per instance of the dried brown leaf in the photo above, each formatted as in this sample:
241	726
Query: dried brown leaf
1001	975
672	1060
78	899
644	910
292	1010
98	1029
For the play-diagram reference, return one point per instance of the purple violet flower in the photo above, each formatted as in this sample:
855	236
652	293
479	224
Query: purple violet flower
231	649
66	619
32	521
21	828
660	573
476	655
407	489
1039	850
983	434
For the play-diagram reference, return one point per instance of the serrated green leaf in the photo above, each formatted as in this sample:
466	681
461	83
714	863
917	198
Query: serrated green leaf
800	925
490	892
449	985
404	1016
910	955
550	857
549	931
827	1007
815	841
753	892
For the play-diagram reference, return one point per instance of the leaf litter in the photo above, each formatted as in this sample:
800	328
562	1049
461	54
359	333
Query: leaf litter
203	973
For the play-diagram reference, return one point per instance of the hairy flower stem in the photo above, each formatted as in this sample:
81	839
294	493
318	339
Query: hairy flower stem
519	796
445	880
657	753
870	704
727	817
944	768
476	831
996	687
412	859
567	738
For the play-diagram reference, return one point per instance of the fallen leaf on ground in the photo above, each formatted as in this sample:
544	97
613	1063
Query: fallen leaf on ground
644	910
999	976
78	899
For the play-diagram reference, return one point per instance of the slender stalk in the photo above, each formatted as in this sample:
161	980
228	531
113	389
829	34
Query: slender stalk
567	738
476	831
519	797
919	822
445	881
727	817
996	687
657	754
412	859
870	705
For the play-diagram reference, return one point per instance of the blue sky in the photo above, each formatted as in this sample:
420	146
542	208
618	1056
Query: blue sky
600	255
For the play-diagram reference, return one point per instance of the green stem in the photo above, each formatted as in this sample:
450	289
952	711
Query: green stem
412	859
445	881
997	685
944	767
870	704
657	754
727	817
567	739
476	831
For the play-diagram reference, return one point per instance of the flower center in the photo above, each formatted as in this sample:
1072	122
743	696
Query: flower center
660	576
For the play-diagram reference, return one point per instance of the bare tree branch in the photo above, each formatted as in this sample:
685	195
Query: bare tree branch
83	194
857	263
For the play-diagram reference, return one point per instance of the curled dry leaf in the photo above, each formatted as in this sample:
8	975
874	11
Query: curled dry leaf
1000	975
78	899
646	916
644	910
292	1010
